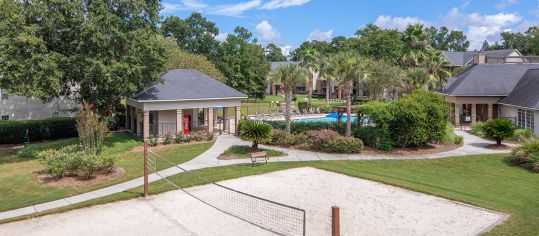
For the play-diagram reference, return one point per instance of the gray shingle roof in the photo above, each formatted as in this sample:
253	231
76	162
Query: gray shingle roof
487	79
185	84
464	58
526	92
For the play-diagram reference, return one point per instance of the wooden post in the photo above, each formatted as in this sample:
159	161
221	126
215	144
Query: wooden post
145	168
335	222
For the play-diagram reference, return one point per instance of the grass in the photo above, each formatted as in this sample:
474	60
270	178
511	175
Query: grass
482	180
244	151
18	176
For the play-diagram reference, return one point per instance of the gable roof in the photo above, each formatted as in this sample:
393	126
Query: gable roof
487	79
187	84
465	58
526	92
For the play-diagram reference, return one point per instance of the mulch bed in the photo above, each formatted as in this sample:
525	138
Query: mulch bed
232	157
67	181
429	149
498	147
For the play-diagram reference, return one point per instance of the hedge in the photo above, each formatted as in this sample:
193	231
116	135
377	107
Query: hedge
301	127
13	132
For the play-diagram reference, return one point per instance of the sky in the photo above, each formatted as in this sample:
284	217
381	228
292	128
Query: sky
288	23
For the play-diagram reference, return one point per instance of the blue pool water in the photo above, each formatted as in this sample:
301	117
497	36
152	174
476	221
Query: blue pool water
324	119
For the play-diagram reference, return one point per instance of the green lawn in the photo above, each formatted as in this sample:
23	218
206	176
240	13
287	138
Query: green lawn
244	152
18	176
483	180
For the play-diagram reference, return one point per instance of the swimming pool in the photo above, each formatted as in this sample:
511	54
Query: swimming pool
323	119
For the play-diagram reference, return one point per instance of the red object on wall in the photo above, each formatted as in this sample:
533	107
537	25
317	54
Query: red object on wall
186	121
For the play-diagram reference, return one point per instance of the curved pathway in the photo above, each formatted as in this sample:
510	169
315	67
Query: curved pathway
472	145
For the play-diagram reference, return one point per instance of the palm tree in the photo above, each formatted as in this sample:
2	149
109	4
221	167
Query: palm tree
347	70
436	65
311	61
327	71
289	75
415	45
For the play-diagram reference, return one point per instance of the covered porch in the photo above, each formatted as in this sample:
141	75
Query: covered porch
186	101
469	110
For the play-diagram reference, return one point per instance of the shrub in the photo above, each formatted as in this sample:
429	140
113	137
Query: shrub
281	137
343	144
152	140
55	162
499	129
255	131
522	135
526	155
200	135
167	139
302	106
106	163
374	137
436	111
450	137
458	140
26	153
91	129
409	123
378	136
12	131
88	164
319	138
478	129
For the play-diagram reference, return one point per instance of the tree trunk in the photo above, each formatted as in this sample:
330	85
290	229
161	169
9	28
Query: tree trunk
327	91
288	108
499	141
347	91
309	91
255	146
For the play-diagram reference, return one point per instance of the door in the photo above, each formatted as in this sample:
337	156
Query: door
186	124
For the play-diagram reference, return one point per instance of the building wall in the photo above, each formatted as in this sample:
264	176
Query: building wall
508	112
22	108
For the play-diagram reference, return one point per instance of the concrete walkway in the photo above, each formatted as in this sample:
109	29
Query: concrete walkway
472	145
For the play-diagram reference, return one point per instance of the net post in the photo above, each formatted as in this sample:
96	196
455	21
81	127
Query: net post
145	168
335	221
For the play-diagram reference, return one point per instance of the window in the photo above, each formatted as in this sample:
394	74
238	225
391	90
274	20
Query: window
5	117
3	94
526	119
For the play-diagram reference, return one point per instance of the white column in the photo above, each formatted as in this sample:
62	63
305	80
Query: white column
457	114
489	112
210	120
179	121
226	120
474	113
237	118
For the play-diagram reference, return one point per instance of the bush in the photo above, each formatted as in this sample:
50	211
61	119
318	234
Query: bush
26	153
458	140
450	137
319	138
12	131
499	129
341	144
522	135
374	137
478	129
167	139
255	131
409	123
200	135
281	138
152	140
91	129
302	106
526	155
74	160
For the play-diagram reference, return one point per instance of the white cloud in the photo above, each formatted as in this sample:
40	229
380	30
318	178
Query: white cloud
276	4
320	35
236	9
505	4
399	23
487	27
184	5
286	49
266	32
221	37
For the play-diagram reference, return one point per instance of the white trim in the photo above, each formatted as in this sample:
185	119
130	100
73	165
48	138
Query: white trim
528	108
189	99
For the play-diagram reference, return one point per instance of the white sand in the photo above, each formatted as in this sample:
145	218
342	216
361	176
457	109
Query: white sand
367	208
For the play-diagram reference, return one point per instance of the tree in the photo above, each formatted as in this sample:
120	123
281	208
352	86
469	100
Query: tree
499	129
195	34
289	75
310	59
243	62
181	59
92	50
442	39
437	67
274	53
379	44
381	79
327	71
415	43
255	131
347	69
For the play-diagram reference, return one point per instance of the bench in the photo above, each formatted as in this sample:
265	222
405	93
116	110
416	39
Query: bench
255	155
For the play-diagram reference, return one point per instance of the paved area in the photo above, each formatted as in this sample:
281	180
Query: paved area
366	208
472	145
